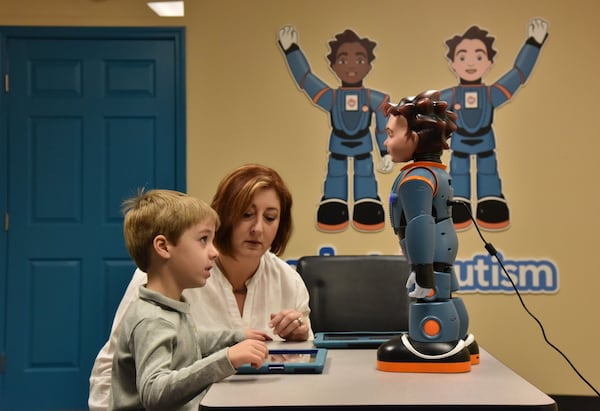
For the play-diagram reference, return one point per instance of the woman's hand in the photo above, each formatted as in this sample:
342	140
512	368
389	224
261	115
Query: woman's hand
290	325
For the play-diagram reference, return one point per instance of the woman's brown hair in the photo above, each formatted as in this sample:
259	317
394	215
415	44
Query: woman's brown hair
234	196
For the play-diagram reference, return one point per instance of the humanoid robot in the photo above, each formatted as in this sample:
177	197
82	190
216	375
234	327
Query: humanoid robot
421	215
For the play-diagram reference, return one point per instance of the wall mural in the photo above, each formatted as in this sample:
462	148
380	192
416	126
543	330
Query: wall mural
351	107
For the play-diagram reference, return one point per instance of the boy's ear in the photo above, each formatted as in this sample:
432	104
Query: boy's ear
161	246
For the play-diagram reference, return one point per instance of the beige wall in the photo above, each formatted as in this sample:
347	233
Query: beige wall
242	106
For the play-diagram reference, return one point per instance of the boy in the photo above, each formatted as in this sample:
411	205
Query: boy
161	361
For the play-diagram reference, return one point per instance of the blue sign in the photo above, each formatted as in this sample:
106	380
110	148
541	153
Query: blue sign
483	274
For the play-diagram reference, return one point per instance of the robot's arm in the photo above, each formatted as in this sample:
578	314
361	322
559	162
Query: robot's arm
420	243
416	195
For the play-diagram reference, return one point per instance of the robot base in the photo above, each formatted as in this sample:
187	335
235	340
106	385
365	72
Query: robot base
473	349
401	354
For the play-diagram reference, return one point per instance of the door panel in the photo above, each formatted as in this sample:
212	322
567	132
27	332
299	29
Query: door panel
89	122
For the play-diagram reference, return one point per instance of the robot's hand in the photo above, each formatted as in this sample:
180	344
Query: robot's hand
538	29
385	165
288	36
414	289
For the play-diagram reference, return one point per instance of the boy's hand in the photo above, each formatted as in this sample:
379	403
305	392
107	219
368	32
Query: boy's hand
252	334
251	352
289	325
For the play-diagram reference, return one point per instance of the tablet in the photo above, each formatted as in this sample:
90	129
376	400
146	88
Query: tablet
353	339
290	361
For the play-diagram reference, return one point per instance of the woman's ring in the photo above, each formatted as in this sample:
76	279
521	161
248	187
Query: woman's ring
300	321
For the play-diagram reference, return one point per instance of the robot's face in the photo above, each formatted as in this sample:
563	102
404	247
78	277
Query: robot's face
400	142
471	61
351	63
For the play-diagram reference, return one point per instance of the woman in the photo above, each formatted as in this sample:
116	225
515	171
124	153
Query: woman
250	287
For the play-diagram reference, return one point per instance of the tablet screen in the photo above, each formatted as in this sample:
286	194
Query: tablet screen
354	339
285	357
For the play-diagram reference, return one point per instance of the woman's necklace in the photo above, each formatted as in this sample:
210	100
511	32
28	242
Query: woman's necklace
243	290
240	291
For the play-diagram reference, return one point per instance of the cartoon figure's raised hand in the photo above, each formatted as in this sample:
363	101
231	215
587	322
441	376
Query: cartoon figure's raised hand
538	29
288	36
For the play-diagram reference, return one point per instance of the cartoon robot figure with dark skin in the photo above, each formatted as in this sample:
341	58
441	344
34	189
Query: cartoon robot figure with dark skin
352	107
471	55
421	215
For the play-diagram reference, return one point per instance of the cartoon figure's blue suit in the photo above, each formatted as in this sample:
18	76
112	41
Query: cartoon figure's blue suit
421	216
351	111
474	103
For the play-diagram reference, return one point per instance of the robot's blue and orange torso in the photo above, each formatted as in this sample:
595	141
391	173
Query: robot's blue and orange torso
421	216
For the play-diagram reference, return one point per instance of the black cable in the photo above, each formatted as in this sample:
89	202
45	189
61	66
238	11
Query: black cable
492	251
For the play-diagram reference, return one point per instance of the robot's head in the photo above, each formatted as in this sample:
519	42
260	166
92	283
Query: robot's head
427	116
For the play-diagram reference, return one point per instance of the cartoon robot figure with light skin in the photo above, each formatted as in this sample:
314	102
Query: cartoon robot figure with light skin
471	56
421	215
351	107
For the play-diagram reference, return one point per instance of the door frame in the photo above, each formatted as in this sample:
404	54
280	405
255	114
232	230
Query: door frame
175	34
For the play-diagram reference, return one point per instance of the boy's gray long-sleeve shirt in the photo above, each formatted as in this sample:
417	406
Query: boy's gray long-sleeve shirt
162	362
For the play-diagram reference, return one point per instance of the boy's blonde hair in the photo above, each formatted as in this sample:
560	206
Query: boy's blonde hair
165	212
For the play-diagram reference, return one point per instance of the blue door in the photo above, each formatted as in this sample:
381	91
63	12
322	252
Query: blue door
88	117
